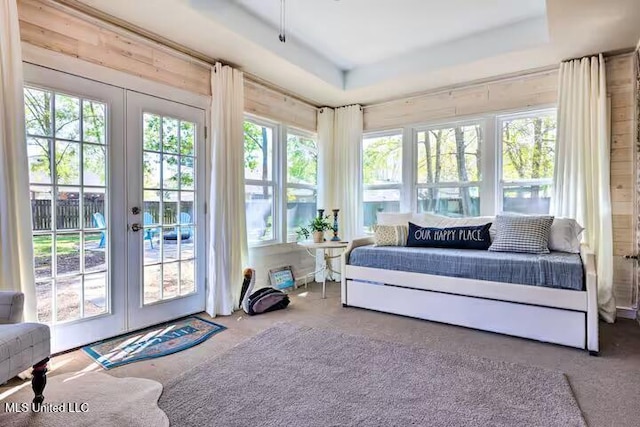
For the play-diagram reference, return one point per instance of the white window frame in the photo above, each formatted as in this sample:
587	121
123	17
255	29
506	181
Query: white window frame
279	177
501	183
276	178
401	186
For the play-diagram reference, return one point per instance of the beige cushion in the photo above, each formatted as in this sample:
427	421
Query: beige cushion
390	235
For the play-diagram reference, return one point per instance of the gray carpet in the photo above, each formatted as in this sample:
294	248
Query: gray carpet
291	375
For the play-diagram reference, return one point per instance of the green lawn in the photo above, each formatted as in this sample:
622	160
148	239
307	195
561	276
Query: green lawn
66	244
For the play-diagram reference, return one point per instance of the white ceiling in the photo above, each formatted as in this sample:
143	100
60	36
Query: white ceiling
354	33
364	51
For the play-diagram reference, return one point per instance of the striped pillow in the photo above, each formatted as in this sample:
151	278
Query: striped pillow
390	235
528	234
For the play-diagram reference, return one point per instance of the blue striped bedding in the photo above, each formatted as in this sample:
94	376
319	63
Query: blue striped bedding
554	270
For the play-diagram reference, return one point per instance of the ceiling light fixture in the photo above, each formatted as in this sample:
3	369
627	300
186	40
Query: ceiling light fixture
282	36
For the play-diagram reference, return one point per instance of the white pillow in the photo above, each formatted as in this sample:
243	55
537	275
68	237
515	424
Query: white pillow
565	235
441	221
394	218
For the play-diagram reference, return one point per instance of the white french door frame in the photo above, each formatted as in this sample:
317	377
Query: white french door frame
140	315
78	332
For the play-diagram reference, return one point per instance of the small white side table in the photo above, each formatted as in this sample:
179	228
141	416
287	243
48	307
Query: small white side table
327	248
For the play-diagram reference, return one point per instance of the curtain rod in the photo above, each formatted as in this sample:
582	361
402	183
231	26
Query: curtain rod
101	18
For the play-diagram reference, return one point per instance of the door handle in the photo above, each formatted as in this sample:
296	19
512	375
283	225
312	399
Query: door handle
136	227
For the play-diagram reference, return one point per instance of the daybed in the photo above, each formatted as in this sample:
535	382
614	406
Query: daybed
550	298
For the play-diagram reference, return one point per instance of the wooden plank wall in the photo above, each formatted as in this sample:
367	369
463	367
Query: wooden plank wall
500	95
621	88
49	25
540	89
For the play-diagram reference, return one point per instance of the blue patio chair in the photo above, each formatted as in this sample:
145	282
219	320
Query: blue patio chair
98	220
184	232
149	232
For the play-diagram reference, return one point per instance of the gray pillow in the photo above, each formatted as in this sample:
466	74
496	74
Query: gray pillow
528	234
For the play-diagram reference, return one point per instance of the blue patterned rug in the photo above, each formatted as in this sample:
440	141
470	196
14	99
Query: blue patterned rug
152	342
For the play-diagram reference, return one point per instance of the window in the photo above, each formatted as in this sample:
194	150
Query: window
479	166
527	148
302	181
260	186
381	175
449	170
280	180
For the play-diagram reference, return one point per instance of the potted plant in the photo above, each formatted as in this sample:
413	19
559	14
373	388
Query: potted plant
316	227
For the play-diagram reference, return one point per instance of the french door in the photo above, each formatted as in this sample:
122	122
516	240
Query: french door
97	154
165	187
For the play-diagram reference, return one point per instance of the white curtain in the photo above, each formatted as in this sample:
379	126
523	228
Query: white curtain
325	158
227	227
346	170
16	247
582	165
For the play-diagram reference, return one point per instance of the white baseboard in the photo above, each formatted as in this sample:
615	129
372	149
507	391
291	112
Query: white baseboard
627	313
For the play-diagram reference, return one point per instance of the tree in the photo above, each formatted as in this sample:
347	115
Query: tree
528	150
40	121
462	170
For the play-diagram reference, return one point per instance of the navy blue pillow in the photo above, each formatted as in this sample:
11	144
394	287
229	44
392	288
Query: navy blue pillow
471	237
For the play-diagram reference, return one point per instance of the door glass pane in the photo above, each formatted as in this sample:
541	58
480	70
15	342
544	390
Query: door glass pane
259	208
44	301
69	194
67	253
67	117
187	274
170	280
39	154
169	200
152	282
95	294
454	202
68	292
38	112
93	121
42	251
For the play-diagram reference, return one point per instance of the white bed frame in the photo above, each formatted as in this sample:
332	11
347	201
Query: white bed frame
558	316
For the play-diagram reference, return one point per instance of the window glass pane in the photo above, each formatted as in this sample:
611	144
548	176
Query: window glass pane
39	154
450	154
455	202
258	151
67	117
37	112
93	119
151	131
302	160
528	146
527	199
259	203
301	208
382	160
379	201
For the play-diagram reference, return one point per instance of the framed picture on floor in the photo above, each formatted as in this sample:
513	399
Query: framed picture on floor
282	277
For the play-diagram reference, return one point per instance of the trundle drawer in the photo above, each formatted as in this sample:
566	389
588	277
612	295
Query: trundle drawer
522	320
